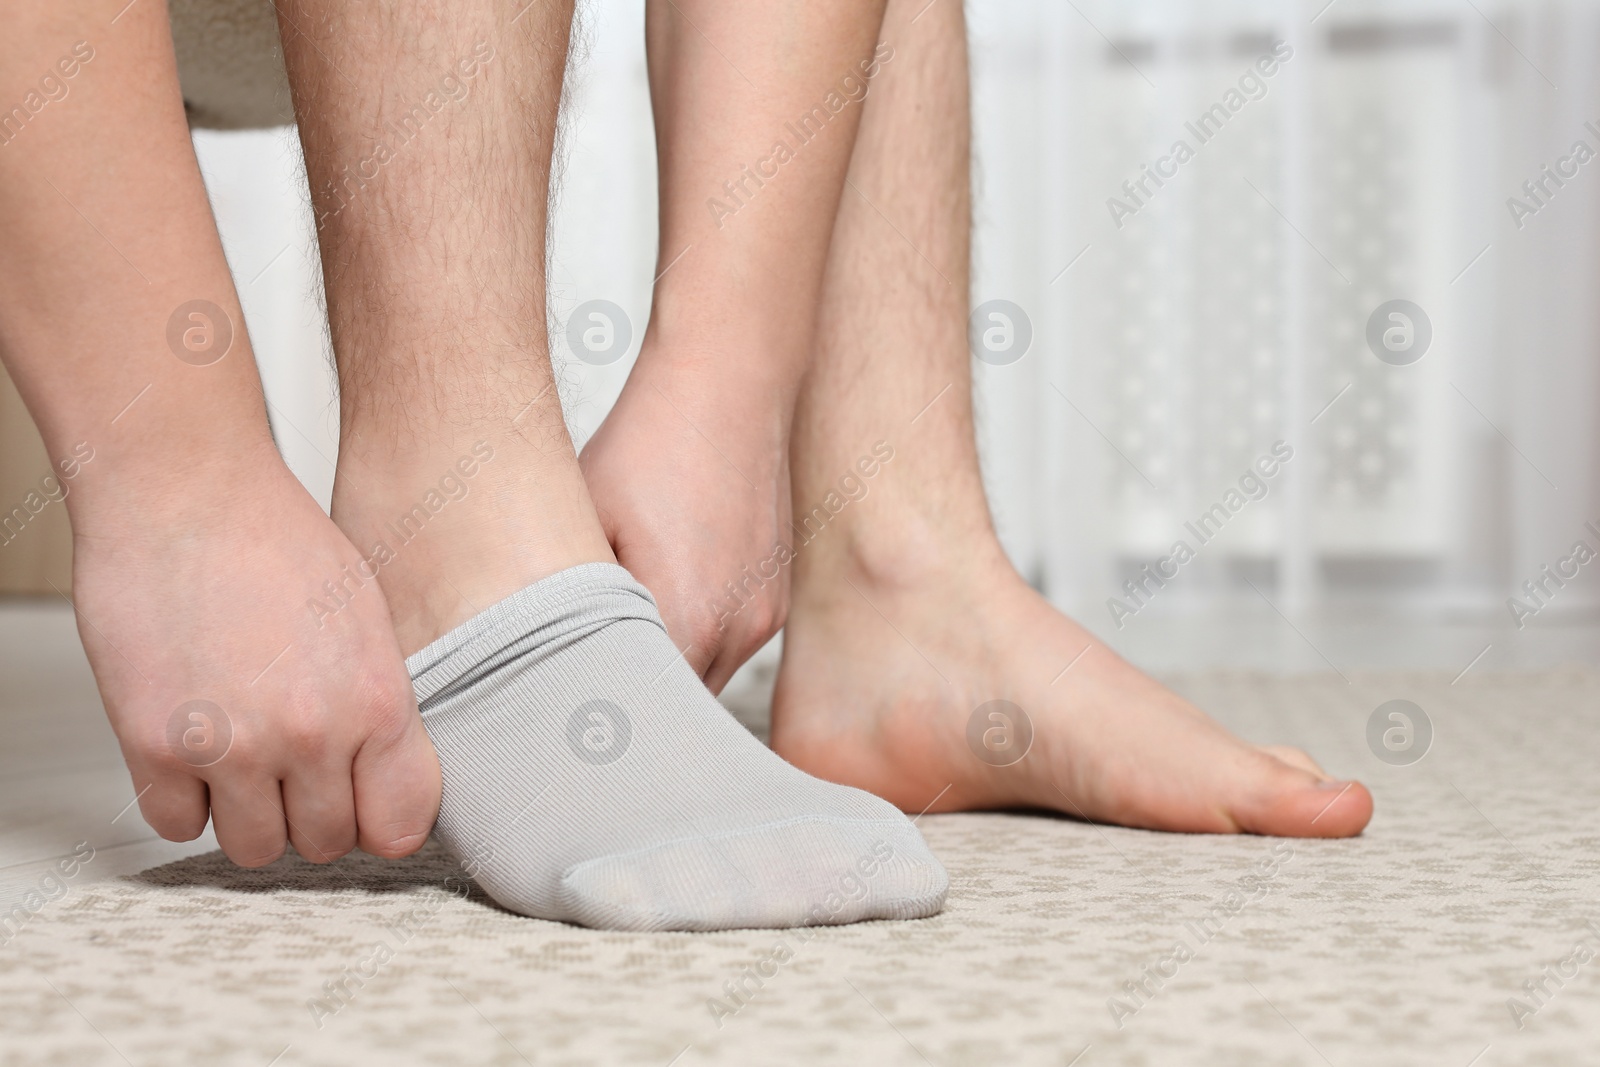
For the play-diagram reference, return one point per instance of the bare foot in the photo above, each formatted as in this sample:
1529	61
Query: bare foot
693	491
882	680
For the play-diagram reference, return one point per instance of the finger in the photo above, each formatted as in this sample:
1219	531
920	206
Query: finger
395	780
733	652
732	645
697	637
702	641
719	672
175	805
708	664
247	814
319	806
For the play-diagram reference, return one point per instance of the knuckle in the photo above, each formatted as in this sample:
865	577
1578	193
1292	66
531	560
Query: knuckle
769	619
387	705
306	734
245	762
152	748
163	761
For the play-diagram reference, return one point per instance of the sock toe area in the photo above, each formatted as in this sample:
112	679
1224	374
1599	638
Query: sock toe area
812	870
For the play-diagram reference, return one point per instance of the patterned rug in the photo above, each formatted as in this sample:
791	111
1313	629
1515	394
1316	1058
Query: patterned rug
1457	931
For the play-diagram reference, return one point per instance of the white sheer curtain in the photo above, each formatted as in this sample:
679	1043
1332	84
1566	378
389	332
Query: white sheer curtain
1230	311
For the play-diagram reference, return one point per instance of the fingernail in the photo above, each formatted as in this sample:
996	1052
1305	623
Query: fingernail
1334	785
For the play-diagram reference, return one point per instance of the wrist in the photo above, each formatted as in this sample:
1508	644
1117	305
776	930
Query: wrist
176	486
749	365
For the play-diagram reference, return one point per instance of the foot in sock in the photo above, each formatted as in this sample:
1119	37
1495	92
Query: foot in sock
590	777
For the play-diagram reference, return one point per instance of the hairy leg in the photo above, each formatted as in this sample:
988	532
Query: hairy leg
756	110
587	773
907	617
428	130
195	551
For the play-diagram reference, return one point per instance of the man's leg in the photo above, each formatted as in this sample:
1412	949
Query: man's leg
588	774
907	617
197	557
428	130
756	109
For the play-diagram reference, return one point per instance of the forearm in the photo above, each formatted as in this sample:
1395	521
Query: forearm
756	111
118	318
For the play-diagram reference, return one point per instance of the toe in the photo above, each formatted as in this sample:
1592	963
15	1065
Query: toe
1292	800
1294	757
808	871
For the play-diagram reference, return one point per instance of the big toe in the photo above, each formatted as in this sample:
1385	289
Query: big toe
1290	798
1295	757
810	870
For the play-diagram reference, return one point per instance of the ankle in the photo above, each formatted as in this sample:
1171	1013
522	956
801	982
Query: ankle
896	553
447	534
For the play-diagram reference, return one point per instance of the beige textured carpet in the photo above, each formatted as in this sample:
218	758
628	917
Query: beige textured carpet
1401	947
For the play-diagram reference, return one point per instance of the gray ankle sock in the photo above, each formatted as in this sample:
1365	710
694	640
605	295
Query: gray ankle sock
590	777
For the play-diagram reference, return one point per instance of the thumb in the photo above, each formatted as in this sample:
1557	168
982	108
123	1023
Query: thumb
396	783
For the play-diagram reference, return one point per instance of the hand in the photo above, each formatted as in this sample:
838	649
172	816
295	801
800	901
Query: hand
236	681
693	492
